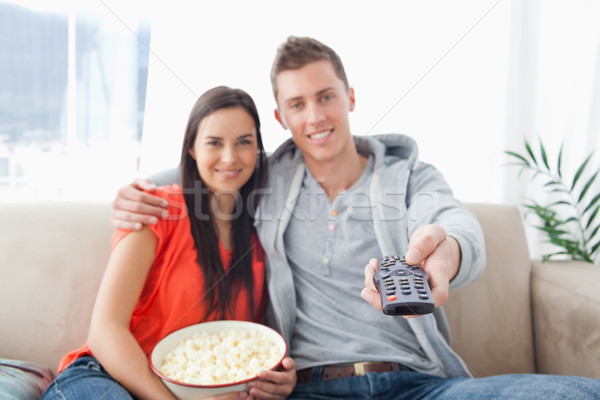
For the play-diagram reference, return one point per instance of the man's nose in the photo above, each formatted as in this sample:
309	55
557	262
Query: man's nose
315	114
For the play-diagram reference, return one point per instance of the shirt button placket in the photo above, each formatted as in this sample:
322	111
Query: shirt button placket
330	242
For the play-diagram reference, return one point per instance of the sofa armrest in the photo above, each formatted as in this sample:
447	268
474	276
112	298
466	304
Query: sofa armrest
566	314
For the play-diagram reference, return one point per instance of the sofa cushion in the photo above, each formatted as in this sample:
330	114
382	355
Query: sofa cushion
491	318
23	380
566	301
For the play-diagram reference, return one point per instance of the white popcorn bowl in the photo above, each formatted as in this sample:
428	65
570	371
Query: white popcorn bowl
186	391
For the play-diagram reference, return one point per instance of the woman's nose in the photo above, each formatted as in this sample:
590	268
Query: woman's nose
228	155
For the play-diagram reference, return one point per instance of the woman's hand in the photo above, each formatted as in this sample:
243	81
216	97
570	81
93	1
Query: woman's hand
275	384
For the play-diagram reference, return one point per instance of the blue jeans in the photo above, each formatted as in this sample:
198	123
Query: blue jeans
85	379
412	385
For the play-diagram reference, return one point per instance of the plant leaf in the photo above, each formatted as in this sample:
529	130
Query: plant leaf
592	216
580	171
587	186
560	202
560	153
552	183
571	219
528	147
544	156
552	231
594	201
520	157
591	235
595	247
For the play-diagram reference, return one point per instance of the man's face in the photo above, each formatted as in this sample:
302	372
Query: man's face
315	104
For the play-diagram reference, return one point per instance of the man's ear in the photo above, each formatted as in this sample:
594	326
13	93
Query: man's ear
280	119
352	98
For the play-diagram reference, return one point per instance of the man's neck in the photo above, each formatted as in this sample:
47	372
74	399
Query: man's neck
337	176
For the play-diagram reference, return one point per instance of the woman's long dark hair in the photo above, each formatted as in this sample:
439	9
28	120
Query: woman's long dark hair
219	284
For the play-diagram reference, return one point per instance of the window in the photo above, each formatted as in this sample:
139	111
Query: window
72	99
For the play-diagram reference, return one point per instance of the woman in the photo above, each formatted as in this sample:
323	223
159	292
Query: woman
203	263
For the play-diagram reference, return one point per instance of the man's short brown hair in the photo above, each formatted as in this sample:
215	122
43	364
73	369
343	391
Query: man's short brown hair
296	52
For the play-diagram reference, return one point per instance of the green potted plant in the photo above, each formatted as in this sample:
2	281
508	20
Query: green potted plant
570	219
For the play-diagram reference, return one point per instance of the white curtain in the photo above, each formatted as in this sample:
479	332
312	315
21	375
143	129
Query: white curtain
553	93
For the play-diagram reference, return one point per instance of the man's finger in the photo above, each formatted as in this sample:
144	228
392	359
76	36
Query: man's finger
372	297
370	271
132	207
423	242
131	194
122	218
144	184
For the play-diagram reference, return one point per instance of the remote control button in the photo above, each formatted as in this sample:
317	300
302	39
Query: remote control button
406	291
419	286
391	298
422	291
384	275
401	272
390	292
423	296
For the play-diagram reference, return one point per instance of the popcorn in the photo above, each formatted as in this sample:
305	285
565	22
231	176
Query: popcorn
216	358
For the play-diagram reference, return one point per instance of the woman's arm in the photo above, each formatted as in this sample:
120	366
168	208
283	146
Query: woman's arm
109	338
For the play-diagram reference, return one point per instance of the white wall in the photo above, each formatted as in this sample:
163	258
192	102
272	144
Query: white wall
435	70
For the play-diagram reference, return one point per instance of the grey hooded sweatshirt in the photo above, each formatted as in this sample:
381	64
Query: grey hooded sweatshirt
404	194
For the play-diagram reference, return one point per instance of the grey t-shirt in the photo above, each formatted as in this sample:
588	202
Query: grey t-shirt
328	245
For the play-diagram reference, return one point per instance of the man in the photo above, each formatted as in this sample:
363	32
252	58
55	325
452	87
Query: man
336	201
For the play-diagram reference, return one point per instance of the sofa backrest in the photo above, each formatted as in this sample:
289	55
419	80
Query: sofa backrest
491	318
52	257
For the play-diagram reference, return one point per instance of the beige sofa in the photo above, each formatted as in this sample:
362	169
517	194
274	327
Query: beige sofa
521	316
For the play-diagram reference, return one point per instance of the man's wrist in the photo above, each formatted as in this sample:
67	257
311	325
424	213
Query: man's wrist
455	256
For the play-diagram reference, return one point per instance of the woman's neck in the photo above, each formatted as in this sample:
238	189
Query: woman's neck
222	213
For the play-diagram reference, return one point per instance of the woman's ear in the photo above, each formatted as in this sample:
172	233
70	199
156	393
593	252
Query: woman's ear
192	152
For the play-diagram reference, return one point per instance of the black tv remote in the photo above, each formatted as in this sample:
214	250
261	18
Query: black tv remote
404	288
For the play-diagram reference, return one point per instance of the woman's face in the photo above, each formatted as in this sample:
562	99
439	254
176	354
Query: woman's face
226	149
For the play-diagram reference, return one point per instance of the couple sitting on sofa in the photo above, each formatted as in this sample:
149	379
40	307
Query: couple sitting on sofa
331	202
